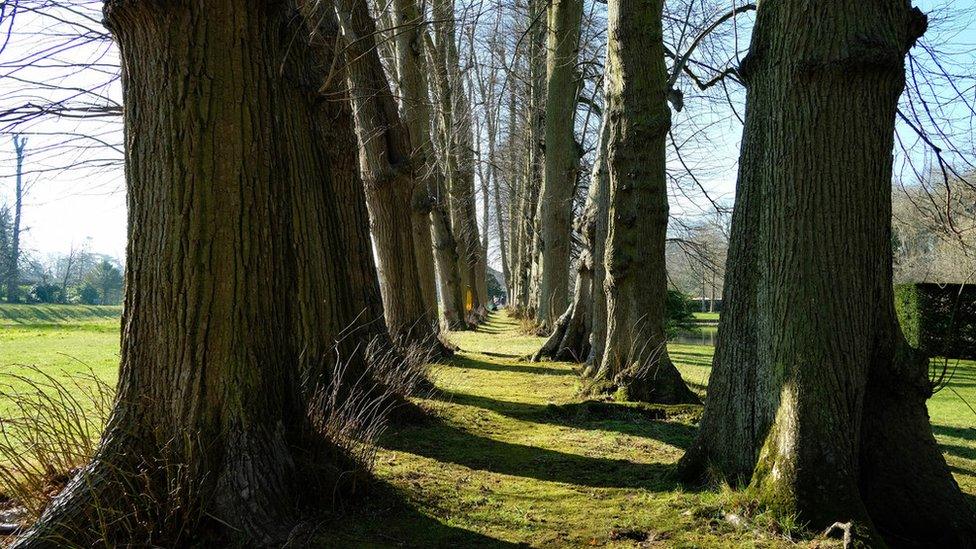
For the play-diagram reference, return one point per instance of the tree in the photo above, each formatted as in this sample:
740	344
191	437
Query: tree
815	395
107	279
237	284
635	356
580	333
561	159
16	229
391	180
412	68
454	125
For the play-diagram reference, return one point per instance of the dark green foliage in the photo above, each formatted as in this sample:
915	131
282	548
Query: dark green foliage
46	293
679	313
87	294
107	279
494	287
938	319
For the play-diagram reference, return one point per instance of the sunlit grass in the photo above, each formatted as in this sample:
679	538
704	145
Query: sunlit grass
510	455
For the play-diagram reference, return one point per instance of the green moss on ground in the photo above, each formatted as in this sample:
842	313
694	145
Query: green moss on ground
510	456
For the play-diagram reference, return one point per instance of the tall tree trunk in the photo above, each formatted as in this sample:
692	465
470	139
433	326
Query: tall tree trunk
828	417
13	274
572	337
561	161
236	285
527	265
636	356
390	178
455	129
600	189
416	107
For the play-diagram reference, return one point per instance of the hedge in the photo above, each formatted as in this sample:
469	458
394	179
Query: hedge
939	319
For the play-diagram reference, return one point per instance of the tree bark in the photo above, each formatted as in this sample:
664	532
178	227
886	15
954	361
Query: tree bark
416	107
573	337
236	285
390	178
828	415
13	274
636	356
561	160
455	133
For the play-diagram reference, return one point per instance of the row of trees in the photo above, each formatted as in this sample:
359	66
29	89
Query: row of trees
274	147
816	402
79	276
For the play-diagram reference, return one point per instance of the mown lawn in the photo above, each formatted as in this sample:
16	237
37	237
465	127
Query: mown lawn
509	456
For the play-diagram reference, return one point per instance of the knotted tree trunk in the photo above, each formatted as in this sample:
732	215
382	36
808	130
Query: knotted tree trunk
636	356
824	409
412	65
237	285
572	338
391	180
561	160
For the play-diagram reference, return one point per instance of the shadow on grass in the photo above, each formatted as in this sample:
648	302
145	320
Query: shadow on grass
447	443
386	519
966	433
626	418
471	363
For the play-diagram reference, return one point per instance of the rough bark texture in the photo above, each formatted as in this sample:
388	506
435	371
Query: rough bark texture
390	180
561	160
412	68
828	415
636	357
600	189
573	337
455	140
236	285
13	262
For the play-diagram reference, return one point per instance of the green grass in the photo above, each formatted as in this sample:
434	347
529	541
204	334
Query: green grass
32	315
510	456
707	317
66	340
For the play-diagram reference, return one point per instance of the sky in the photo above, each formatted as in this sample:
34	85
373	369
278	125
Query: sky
70	205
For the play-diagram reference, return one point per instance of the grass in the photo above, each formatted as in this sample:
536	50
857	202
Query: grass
43	315
510	457
706	318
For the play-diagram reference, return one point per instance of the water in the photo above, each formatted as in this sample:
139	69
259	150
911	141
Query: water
704	336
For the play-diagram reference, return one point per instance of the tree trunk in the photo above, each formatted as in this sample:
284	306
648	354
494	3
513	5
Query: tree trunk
13	276
825	409
455	130
236	285
562	159
390	178
636	356
600	190
416	108
572	337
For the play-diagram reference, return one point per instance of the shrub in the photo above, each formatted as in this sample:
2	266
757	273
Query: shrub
87	294
938	319
680	313
46	293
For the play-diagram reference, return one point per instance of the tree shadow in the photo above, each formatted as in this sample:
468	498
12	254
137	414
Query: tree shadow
471	363
964	452
967	433
626	418
384	518
447	443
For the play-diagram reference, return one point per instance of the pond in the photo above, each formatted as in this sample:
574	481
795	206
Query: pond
705	335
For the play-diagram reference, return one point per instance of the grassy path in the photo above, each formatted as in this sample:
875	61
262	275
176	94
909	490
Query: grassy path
509	456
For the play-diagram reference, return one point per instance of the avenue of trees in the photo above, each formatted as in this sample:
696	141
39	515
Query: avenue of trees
304	180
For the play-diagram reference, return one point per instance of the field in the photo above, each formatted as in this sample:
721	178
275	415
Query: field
509	456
